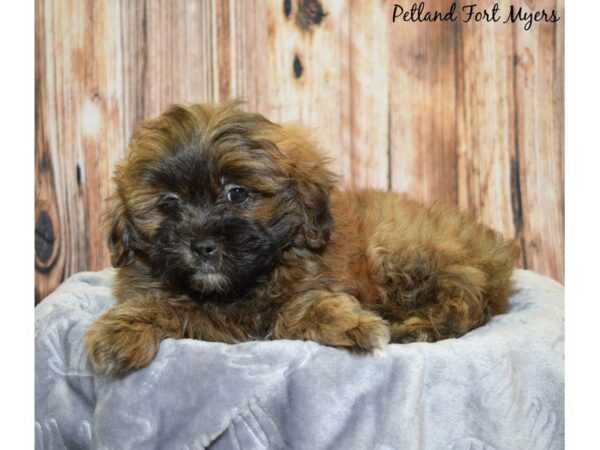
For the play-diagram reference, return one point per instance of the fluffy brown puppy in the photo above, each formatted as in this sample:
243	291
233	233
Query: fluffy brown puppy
226	227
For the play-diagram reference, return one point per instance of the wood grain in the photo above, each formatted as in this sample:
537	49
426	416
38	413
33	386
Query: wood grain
423	110
539	118
465	114
369	95
485	122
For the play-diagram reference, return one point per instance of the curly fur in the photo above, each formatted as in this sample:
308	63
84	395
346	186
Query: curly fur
299	259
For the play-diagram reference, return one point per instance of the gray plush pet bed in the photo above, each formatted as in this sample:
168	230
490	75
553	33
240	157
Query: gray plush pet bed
498	387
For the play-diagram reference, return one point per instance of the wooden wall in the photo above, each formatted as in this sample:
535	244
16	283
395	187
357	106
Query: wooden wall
467	114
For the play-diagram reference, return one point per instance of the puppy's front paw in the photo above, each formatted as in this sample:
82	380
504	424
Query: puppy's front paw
116	347
371	334
333	319
344	323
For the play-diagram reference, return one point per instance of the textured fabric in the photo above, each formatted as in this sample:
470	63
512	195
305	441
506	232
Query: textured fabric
498	387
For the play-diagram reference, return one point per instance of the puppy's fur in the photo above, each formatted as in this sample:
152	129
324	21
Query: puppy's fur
226	227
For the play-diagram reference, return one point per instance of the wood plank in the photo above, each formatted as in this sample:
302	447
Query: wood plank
249	54
366	162
486	127
134	36
61	46
223	43
180	60
539	117
423	137
102	138
49	259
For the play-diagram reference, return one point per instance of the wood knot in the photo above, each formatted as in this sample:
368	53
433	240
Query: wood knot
287	8
298	69
44	238
310	13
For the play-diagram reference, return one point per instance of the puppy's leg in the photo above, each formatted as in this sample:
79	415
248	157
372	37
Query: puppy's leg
127	336
456	307
334	319
428	298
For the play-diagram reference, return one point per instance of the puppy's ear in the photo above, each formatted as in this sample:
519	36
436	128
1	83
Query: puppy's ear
120	232
312	182
314	201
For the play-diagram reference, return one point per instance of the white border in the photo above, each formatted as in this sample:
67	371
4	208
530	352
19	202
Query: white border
17	194
582	224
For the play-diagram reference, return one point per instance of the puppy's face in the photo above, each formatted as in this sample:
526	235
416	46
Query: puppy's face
210	197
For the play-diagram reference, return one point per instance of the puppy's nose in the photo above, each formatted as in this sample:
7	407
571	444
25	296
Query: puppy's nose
206	247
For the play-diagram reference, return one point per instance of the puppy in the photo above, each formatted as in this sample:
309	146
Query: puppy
227	227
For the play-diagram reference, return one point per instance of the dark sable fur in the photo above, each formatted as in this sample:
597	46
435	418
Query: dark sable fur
297	259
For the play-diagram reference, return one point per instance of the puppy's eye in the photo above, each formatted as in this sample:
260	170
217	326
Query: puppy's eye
169	202
237	195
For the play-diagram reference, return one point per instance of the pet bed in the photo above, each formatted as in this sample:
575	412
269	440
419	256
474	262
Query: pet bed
498	387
